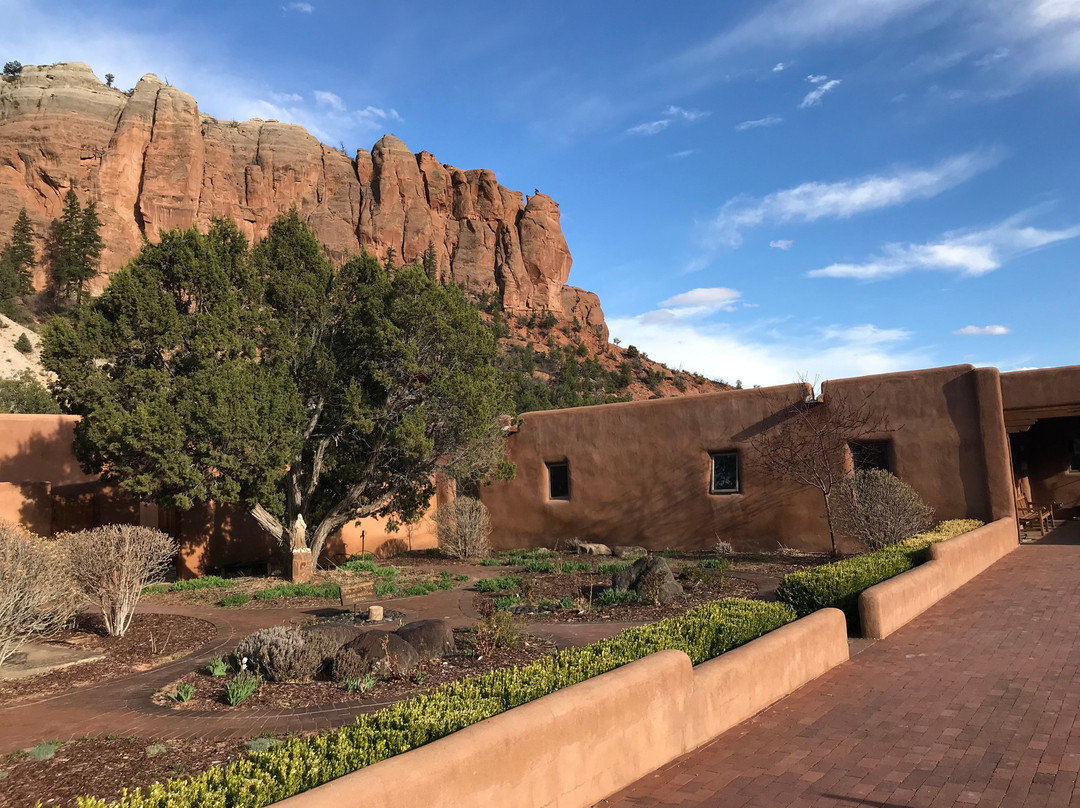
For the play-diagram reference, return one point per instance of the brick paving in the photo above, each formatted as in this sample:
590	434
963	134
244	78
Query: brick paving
975	702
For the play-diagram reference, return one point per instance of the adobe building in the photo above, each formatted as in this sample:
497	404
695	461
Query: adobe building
666	473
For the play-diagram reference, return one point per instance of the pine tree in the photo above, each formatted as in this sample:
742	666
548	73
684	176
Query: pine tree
430	262
90	247
76	247
18	261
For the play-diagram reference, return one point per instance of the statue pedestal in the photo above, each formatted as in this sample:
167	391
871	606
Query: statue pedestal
300	572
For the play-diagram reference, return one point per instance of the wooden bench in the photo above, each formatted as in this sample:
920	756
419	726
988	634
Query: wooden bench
353	595
1030	515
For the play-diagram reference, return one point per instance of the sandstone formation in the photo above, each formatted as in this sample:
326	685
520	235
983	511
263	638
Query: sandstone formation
153	162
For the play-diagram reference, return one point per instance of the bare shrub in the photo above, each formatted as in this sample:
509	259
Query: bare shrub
285	654
723	548
877	508
37	598
463	527
111	565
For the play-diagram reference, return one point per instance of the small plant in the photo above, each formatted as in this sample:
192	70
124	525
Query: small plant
534	565
723	548
185	688
570	567
419	589
445	581
44	751
241	687
235	599
506	583
155	749
566	603
612	568
386	572
876	508
420	674
261	744
218	666
22	344
492	562
156	589
385	588
496	629
618	597
463	526
508	601
461	578
292	590
714	564
193	584
359	684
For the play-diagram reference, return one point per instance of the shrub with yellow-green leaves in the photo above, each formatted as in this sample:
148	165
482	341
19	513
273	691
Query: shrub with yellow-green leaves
839	584
299	764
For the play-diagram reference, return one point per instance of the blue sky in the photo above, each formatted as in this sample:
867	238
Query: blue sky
754	190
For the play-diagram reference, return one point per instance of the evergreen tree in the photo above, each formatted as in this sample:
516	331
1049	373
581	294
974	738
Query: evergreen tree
90	247
17	261
76	247
430	262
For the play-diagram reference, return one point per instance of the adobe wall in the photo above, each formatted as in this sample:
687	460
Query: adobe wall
1044	387
640	471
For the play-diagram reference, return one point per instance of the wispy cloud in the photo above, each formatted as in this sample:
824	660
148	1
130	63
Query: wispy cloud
303	8
982	330
765	353
997	55
823	85
328	99
841	200
778	67
768	120
966	252
782	244
669	116
704	299
683	154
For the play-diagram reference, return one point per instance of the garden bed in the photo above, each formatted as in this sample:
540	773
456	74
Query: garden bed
210	690
150	641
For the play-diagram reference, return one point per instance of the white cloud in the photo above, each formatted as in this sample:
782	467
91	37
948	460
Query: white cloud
824	85
670	115
971	253
287	98
328	99
721	350
768	120
778	67
710	299
782	244
841	200
680	155
303	8
982	330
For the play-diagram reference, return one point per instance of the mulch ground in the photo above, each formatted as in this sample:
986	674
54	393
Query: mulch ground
104	766
210	690
150	641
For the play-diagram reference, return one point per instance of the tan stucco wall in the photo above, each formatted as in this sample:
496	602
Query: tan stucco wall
577	746
1044	387
889	605
640	471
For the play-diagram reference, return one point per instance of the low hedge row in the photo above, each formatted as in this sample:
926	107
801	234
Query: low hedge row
839	584
299	764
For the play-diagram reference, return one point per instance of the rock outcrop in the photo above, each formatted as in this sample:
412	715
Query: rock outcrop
152	162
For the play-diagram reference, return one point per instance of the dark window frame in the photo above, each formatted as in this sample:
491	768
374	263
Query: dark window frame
863	450
712	472
558	464
1074	455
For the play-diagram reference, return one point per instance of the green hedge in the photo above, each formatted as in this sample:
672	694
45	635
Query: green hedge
839	584
299	764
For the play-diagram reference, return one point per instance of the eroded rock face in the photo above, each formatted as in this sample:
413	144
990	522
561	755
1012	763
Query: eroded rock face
153	162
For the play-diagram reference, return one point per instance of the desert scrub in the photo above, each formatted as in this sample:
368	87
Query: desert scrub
507	583
840	583
299	764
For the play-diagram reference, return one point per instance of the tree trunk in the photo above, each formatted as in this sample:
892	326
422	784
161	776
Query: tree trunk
828	519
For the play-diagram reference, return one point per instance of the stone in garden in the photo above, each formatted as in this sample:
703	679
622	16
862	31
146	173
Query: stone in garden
375	613
651	578
625	550
592	548
382	654
432	639
337	633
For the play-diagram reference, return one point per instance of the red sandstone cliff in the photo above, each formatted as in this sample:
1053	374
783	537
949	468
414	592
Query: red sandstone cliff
153	162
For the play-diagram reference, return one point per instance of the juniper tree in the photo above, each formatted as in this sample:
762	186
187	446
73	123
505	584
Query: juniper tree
17	261
211	371
75	245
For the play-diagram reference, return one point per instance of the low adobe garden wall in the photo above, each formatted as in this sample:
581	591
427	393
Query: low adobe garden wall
578	745
889	605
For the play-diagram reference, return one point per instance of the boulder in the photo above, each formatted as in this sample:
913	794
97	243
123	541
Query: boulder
339	633
588	547
381	654
432	639
651	578
628	551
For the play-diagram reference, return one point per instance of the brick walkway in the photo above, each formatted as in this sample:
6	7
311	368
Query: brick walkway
976	702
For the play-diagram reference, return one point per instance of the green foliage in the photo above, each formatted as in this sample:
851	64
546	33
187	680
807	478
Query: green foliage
840	583
359	684
617	597
461	577
384	588
292	590
235	599
75	246
299	764
566	603
44	751
576	566
17	260
568	381
218	666
22	344
241	687
359	564
506	583
25	394
207	582
539	566
155	749
430	262
548	321
613	567
504	602
714	564
209	370
156	589
261	744
185	688
12	69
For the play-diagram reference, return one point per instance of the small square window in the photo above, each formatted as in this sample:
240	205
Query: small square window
725	473
558	480
870	454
